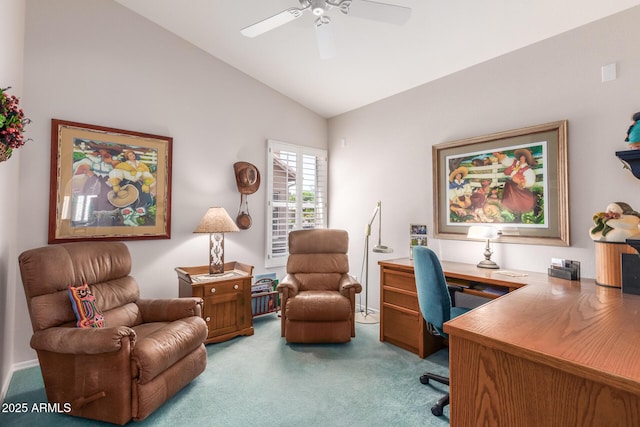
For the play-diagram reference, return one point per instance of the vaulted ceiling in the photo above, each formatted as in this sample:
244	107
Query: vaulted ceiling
374	59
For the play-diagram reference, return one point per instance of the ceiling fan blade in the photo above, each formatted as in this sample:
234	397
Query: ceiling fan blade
376	11
324	37
272	22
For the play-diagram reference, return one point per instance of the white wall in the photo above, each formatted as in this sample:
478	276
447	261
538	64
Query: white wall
388	148
99	63
11	70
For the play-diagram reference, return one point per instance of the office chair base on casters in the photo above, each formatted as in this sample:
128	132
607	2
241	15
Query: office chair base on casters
424	378
438	408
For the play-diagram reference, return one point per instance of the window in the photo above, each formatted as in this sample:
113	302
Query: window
297	188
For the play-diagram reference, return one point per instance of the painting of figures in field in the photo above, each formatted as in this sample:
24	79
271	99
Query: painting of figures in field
108	184
113	184
506	186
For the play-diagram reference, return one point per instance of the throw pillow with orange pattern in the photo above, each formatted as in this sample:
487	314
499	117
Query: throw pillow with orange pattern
88	315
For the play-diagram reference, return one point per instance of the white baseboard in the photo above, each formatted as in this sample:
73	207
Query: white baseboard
14	368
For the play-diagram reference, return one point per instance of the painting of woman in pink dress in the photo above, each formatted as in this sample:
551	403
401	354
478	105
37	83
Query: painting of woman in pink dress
516	194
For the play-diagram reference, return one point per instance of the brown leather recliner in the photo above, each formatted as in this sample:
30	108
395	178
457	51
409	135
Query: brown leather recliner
147	351
318	294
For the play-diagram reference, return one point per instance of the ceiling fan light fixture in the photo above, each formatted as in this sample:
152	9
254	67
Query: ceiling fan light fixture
367	9
318	7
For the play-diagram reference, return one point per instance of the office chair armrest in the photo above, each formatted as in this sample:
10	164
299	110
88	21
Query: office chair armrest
452	292
82	340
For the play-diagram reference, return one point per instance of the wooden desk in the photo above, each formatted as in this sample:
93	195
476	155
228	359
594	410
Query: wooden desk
401	322
552	353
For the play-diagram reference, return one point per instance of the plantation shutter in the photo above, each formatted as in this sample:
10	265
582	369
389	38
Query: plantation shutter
297	195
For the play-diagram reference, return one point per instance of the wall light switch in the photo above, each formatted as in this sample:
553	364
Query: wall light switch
609	72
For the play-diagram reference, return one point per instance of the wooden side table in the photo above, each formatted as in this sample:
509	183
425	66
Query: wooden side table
227	298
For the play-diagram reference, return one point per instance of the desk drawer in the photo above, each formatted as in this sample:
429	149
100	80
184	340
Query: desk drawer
401	328
398	279
403	299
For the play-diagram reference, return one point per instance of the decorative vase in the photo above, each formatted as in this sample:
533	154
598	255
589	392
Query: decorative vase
609	262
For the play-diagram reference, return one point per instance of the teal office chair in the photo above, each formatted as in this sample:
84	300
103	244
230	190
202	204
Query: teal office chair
437	305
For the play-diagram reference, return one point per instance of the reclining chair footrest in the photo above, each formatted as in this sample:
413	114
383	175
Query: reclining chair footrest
85	400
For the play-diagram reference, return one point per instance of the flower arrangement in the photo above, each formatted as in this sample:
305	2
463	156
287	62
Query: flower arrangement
618	223
12	123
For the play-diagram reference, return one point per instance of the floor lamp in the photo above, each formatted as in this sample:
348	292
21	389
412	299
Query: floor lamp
365	316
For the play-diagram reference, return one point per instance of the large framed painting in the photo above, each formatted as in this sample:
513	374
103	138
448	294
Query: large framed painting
108	184
515	181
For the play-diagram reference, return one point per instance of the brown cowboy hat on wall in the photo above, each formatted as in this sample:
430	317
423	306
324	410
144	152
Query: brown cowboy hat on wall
247	177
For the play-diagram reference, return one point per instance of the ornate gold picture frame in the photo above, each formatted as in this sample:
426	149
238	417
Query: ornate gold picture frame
108	184
516	181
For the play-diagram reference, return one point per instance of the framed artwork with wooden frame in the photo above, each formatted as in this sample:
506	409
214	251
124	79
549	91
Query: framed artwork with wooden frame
516	181
108	184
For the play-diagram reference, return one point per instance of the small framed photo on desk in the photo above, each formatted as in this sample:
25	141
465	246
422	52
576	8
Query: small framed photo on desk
417	237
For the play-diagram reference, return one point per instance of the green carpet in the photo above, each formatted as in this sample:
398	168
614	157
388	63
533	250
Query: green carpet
262	381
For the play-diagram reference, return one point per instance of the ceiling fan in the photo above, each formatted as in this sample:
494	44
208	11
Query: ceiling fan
367	9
